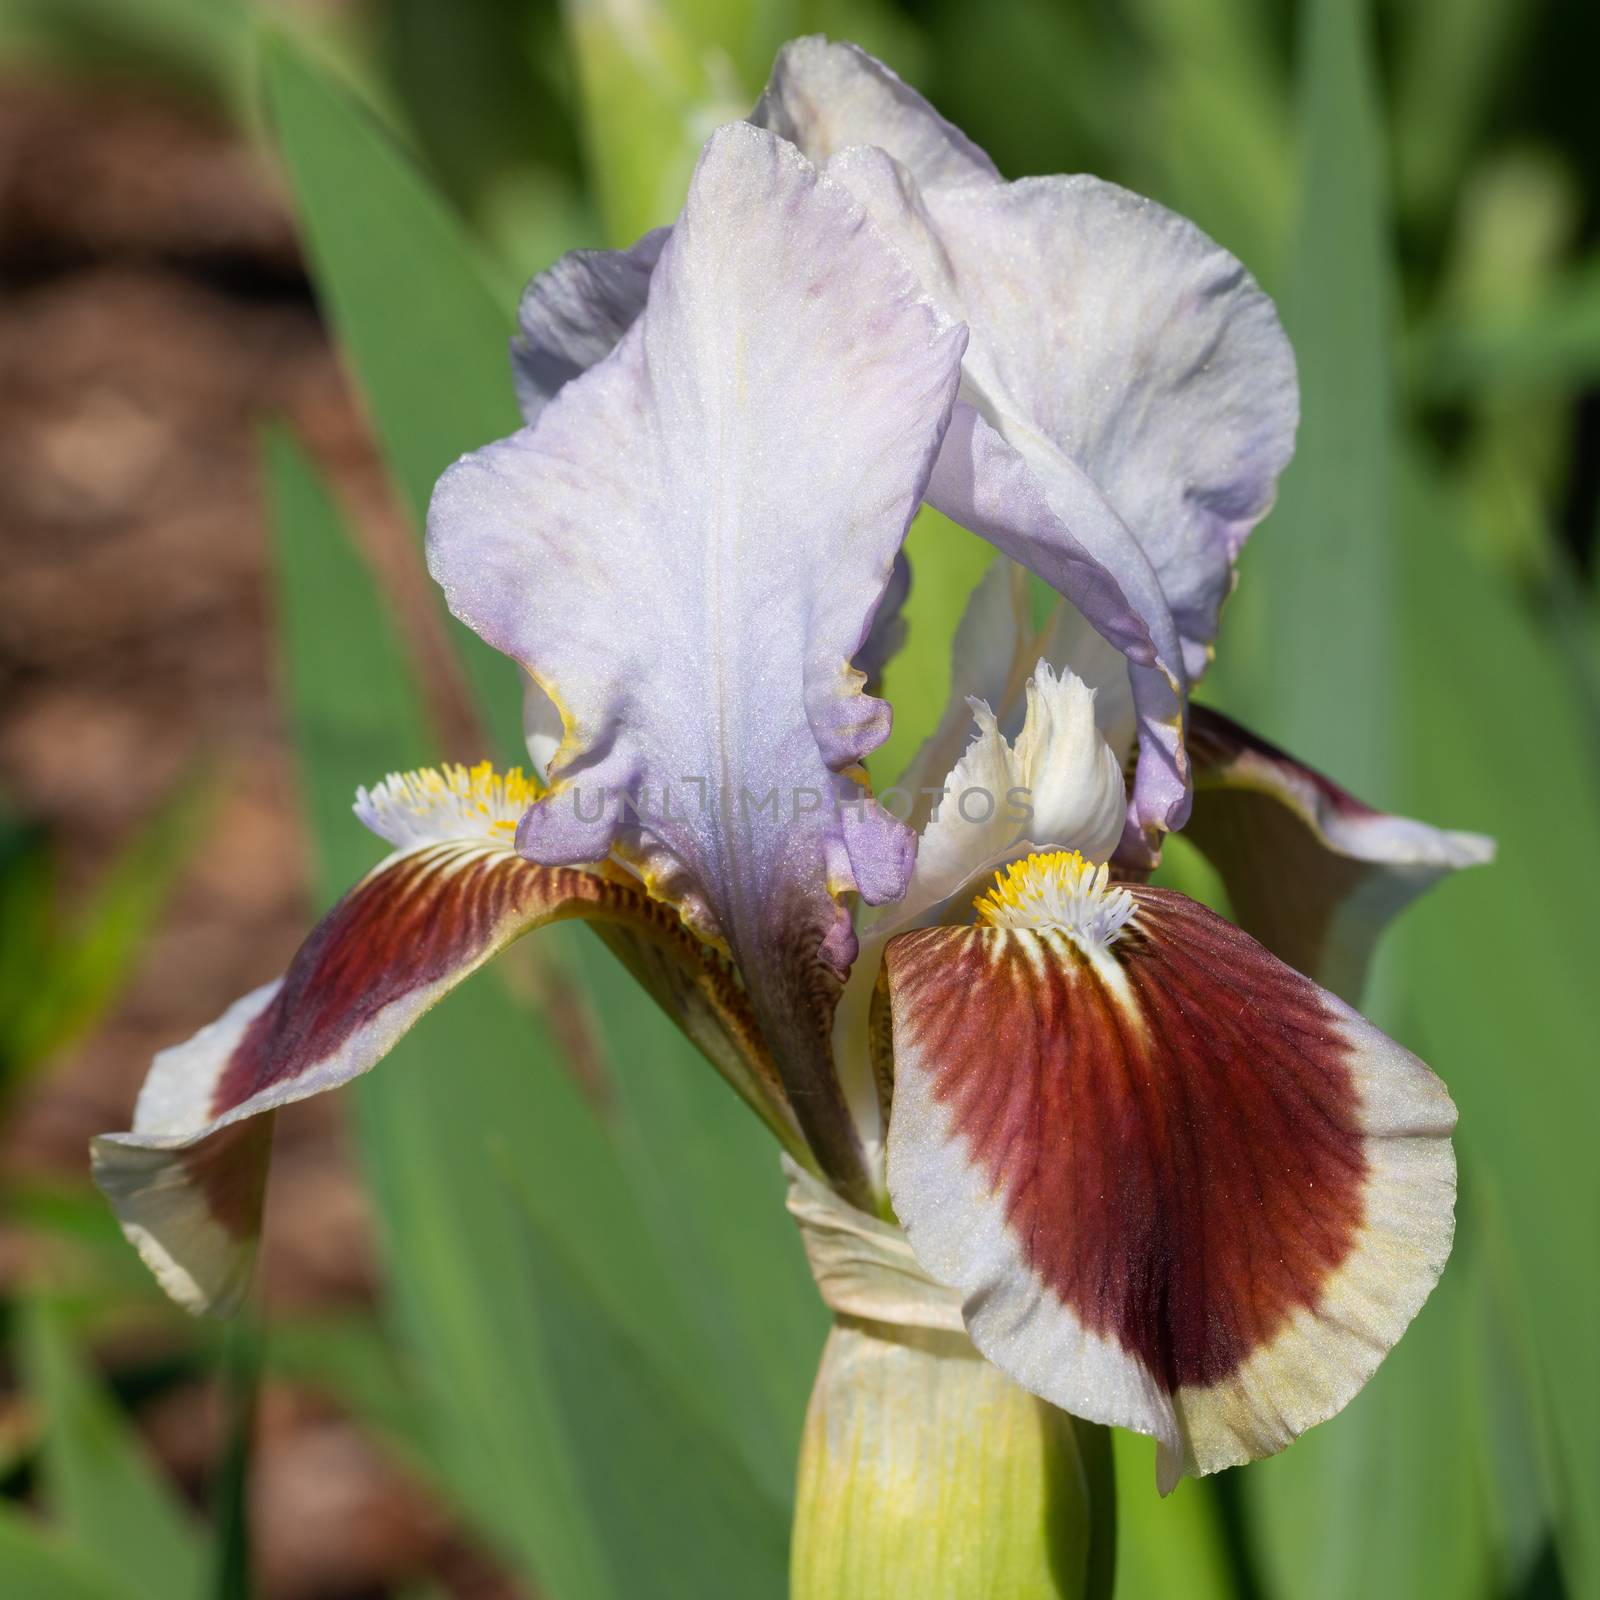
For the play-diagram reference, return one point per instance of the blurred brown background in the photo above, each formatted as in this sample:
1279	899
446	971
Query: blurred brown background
153	308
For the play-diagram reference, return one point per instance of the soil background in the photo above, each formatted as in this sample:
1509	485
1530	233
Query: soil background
154	312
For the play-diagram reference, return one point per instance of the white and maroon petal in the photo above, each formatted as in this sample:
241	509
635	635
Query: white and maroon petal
1183	1189
187	1181
1311	871
1057	783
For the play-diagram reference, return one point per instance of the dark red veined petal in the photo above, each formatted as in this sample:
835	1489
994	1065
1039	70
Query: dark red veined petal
1182	1188
187	1182
1312	872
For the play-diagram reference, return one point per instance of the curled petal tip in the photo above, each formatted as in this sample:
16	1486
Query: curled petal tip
1310	870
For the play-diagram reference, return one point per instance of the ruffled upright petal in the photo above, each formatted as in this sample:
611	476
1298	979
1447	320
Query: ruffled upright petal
1311	871
687	550
826	97
1129	398
1111	336
1182	1189
575	313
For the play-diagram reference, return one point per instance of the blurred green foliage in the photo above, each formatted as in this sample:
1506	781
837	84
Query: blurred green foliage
60	966
1416	181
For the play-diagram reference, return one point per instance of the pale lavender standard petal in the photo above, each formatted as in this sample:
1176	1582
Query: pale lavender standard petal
887	635
826	97
1113	341
1129	398
572	315
686	551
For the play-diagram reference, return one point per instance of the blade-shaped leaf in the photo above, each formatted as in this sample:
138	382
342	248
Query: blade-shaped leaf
683	1513
1450	57
708	1180
424	334
1170	1546
43	1565
1503	962
98	1481
232	1565
1307	654
56	980
1313	659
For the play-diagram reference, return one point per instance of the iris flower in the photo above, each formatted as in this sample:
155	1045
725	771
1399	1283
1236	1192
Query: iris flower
1164	1179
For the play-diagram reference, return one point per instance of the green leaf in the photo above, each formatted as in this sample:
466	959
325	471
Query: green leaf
1451	55
41	1565
1313	659
1307	654
683	1514
1502	961
411	303
1170	1546
708	1181
232	1568
654	86
1554	341
1214	112
485	88
59	973
97	1480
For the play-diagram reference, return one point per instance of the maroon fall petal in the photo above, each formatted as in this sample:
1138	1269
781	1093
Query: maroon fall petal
1184	1189
187	1182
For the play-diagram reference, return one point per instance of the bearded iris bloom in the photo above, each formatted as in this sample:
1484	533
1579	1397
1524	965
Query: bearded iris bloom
1161	1178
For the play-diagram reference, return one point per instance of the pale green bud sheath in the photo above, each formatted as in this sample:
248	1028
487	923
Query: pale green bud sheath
925	1470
